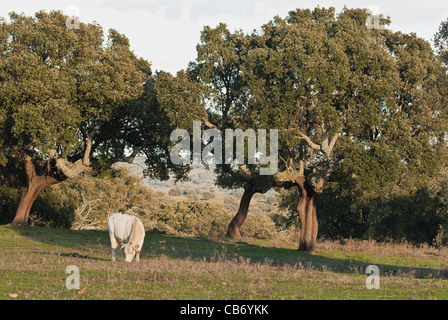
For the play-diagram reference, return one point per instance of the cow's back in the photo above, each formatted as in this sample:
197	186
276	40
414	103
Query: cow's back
138	232
120	225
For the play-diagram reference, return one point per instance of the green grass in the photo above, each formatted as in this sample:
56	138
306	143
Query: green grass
33	263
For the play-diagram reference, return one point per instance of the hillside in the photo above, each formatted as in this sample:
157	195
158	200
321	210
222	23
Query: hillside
200	181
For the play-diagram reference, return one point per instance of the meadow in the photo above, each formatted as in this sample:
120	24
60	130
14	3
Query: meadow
33	262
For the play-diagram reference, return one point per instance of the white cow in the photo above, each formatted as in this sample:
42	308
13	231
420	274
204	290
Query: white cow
126	232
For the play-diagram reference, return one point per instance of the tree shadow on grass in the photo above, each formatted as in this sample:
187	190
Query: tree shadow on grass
209	250
71	255
215	250
61	242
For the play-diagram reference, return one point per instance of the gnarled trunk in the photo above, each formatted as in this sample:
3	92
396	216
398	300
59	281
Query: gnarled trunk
307	215
35	185
58	170
233	231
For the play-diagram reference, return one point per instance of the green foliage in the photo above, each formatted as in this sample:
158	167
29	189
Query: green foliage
340	216
419	217
441	41
414	218
383	92
58	82
439	190
72	100
319	73
55	208
71	96
9	199
314	73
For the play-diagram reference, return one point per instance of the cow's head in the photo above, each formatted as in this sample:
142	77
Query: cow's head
129	250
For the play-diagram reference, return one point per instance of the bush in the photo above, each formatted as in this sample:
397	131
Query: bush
441	239
207	195
204	219
55	207
415	218
190	218
175	192
440	188
259	226
231	204
87	202
9	200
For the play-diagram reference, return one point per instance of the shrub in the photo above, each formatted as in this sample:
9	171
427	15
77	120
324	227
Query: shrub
207	195
231	204
87	202
190	218
415	218
175	192
9	200
204	219
259	226
55	207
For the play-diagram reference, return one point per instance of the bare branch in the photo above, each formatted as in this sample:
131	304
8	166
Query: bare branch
324	128
70	170
210	125
130	159
313	145
83	222
327	149
333	141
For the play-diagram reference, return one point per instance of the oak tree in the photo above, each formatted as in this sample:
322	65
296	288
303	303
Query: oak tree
71	101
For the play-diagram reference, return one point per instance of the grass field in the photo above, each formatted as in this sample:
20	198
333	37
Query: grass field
33	262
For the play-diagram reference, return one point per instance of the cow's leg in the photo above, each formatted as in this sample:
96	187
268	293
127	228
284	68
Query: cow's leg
116	252
115	248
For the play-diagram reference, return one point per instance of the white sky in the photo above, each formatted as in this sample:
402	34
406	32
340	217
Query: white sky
166	32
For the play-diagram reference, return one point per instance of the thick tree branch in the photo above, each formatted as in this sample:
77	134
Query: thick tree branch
90	136
313	145
30	170
327	149
70	170
210	125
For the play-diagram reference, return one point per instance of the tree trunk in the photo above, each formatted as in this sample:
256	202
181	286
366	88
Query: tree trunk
233	231
35	185
307	215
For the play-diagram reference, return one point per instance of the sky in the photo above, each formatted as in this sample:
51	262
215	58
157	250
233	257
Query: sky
166	32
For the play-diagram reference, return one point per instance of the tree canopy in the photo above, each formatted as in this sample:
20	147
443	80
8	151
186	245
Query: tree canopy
71	101
360	112
362	108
